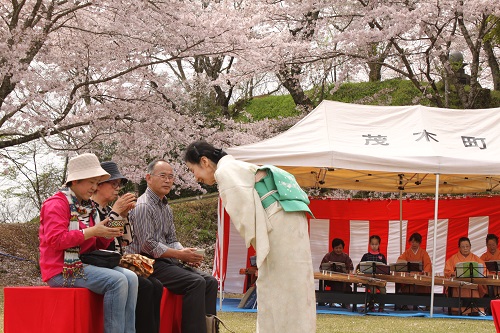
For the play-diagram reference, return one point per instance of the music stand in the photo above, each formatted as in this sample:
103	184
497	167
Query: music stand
374	267
493	265
407	266
327	266
470	270
334	266
339	267
401	266
415	266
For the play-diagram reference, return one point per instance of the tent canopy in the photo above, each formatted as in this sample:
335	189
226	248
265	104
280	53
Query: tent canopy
387	149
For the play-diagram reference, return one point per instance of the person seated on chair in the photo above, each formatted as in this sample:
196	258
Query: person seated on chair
70	226
492	253
416	254
175	265
338	255
374	254
464	254
147	311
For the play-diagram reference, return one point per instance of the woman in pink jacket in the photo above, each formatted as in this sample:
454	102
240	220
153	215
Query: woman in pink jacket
69	226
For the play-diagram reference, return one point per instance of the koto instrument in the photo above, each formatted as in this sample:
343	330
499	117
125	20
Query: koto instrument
425	280
349	278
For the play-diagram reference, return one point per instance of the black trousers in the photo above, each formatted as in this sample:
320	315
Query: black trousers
199	290
147	311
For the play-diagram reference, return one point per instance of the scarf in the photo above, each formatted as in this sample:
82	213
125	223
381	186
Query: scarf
122	241
73	266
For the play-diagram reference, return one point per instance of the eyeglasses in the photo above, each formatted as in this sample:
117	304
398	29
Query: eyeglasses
164	176
115	184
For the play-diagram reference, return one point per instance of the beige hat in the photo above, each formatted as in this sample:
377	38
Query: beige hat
85	166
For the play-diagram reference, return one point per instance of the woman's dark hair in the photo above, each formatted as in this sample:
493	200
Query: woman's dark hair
416	237
377	237
492	236
196	150
463	239
336	242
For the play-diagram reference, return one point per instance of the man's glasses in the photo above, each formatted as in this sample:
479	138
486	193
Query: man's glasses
164	176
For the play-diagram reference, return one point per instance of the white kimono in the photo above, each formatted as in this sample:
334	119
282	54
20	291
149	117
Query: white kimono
285	288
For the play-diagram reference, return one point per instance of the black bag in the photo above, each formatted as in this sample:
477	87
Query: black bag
101	258
213	323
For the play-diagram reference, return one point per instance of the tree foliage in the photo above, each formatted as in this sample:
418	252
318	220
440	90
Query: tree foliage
138	80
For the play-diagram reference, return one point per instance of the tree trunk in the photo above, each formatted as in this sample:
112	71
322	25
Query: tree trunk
375	74
288	77
493	63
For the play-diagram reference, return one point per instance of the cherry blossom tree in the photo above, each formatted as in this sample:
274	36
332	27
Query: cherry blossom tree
138	80
68	65
410	39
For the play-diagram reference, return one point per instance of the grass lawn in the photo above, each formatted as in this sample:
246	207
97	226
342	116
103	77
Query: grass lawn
245	323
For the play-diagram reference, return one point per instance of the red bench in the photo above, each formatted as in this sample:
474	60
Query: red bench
71	310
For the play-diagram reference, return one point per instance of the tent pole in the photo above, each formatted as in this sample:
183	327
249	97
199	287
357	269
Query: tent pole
436	206
400	222
220	230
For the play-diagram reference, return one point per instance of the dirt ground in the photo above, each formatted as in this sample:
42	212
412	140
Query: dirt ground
19	254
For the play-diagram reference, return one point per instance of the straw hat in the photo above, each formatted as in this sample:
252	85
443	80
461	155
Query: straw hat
85	166
111	168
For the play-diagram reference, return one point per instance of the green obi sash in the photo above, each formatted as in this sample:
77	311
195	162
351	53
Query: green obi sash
279	185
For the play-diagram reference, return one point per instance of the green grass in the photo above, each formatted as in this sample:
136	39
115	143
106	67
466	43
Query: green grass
392	92
389	92
195	221
245	323
263	107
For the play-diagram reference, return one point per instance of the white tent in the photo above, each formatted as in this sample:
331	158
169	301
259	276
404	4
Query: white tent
388	149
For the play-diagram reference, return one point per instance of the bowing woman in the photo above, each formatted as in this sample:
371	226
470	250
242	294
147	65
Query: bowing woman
268	208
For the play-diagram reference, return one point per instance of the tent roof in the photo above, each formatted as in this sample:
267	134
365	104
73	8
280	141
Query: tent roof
385	148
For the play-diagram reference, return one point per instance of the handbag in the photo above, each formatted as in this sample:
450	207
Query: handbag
101	258
213	323
139	264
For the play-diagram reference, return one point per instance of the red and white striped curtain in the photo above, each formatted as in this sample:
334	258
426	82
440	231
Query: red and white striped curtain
355	220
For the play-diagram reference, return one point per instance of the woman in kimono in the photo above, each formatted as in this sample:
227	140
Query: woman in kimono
268	208
492	253
464	254
416	254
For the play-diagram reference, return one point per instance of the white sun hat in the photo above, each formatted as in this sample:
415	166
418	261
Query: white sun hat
85	166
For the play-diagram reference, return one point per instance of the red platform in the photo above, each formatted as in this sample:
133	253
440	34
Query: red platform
71	310
495	311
